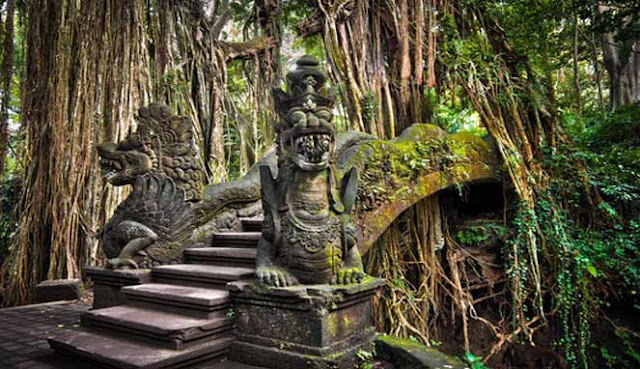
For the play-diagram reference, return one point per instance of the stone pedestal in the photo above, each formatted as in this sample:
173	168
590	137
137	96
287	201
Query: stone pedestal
107	284
308	326
59	289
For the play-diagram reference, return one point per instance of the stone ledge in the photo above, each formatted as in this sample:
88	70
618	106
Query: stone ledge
304	297
59	289
118	278
271	357
366	334
407	354
107	284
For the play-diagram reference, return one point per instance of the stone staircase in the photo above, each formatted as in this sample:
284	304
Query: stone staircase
180	318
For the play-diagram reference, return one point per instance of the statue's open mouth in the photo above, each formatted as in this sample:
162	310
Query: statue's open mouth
121	167
110	163
313	148
109	167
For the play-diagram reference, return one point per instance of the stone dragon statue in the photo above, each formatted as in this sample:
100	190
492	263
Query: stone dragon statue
160	161
307	236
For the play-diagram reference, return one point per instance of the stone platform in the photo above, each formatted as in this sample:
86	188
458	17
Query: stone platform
172	316
23	338
306	326
23	342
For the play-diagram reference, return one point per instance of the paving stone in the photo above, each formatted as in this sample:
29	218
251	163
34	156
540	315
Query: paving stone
23	337
15	360
11	346
227	365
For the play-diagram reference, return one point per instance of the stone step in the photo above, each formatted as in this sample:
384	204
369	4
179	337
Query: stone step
235	239
233	365
174	331
116	352
197	275
223	256
251	225
202	303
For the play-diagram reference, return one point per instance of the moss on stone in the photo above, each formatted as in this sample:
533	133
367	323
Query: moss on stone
401	342
407	353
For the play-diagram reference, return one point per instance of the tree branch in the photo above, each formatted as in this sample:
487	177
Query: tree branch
247	49
315	23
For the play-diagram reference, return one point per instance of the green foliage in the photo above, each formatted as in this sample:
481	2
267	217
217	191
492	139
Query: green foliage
588	262
241	10
574	298
369	105
295	11
594	245
620	127
610	148
477	234
230	312
627	357
312	45
457	119
474	361
9	193
366	358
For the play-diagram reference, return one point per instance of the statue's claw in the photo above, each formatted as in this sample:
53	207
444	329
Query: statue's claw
119	263
348	276
276	277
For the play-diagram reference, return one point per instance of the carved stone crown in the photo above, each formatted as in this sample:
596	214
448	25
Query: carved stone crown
305	89
305	131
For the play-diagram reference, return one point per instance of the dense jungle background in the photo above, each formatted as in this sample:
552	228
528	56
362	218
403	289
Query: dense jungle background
541	270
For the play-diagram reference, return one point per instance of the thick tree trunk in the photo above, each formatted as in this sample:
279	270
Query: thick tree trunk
7	76
86	75
576	57
623	69
622	61
267	74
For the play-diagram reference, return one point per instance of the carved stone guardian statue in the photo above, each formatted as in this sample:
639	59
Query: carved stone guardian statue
310	307
160	161
307	236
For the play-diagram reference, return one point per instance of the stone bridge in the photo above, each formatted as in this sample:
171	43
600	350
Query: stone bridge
394	175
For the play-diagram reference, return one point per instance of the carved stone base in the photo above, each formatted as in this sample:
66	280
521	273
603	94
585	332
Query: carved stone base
312	326
107	284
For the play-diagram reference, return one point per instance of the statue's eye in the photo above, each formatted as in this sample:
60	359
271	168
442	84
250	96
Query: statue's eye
298	116
324	114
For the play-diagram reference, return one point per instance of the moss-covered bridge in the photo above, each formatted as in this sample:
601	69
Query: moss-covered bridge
394	175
